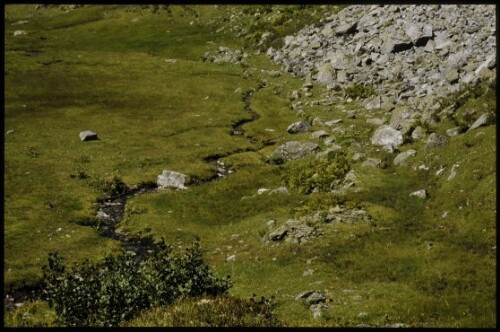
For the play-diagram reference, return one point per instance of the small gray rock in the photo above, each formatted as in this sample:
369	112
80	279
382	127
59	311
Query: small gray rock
319	134
102	215
372	103
436	140
333	122
298	127
359	156
88	135
278	234
420	194
418	133
403	157
372	162
453	132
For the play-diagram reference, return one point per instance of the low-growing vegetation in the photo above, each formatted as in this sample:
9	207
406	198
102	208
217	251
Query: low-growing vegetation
221	311
116	289
318	175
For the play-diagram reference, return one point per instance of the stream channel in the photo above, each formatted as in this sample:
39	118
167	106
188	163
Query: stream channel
110	210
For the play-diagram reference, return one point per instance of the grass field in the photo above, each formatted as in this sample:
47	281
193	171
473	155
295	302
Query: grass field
103	68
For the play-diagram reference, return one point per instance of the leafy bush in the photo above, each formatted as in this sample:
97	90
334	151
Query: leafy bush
117	288
320	175
221	311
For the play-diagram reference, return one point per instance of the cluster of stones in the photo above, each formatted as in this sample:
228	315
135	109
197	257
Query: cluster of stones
302	229
410	54
224	55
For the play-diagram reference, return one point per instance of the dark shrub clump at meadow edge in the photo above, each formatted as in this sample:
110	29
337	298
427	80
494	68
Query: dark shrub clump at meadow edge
118	287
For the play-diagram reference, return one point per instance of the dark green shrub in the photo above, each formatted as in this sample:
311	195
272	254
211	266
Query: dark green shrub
320	175
113	187
117	288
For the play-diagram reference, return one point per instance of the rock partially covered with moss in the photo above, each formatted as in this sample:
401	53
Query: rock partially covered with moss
292	150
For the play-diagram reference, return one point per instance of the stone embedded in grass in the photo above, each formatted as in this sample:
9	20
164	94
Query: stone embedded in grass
372	103
403	157
311	297
453	131
319	134
170	179
420	194
295	231
278	234
88	135
436	140
453	173
483	120
372	162
102	215
293	150
262	190
271	223
19	33
375	121
279	190
418	133
359	156
298	127
331	123
386	135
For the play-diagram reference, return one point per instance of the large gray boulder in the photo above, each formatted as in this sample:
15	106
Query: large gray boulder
88	135
170	179
387	136
293	150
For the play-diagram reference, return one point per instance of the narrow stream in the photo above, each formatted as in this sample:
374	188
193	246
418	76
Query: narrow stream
111	210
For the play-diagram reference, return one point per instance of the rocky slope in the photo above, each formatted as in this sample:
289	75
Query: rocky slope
410	54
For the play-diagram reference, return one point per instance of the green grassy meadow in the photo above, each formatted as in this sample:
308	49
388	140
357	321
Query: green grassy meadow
103	68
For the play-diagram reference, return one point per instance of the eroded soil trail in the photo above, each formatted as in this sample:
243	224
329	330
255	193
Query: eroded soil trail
110	210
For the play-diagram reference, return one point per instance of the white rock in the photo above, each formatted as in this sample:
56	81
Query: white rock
170	179
453	173
420	194
386	135
88	135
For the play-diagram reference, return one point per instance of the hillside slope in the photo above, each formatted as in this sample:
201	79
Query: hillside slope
311	175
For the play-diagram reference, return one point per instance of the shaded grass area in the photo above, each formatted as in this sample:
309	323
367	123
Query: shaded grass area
143	122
